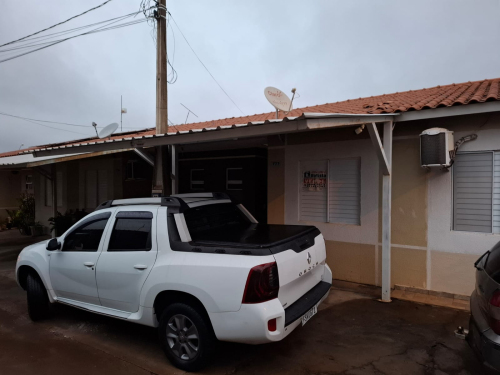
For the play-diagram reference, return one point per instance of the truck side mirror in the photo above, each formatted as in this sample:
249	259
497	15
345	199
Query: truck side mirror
53	244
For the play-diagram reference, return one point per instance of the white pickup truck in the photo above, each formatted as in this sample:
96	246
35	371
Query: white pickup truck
197	266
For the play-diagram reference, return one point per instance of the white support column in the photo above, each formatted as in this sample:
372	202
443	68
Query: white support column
384	153
158	188
386	215
54	194
174	170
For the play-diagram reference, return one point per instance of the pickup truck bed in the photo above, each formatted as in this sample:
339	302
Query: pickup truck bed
255	236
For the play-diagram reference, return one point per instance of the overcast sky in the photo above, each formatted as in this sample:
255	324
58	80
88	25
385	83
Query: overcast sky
329	50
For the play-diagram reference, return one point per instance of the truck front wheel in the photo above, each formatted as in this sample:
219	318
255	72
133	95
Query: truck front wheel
186	337
38	301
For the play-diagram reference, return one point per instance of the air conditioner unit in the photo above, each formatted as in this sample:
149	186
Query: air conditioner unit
437	147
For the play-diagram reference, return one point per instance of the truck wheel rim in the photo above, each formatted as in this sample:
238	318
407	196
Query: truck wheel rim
182	337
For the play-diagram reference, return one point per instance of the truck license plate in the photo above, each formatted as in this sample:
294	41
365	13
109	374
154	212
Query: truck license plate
308	315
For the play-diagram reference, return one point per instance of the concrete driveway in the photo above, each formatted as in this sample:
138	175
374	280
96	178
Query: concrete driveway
352	334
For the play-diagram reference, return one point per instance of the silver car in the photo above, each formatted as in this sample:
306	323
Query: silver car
484	327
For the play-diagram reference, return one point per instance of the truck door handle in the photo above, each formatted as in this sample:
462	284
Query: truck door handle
88	264
140	266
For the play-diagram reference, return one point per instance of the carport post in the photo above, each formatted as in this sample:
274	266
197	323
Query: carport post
54	195
386	215
384	153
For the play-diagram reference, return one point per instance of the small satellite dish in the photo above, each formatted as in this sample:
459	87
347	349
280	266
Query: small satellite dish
108	130
278	99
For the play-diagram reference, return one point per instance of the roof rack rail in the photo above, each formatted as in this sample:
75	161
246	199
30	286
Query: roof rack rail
215	195
177	202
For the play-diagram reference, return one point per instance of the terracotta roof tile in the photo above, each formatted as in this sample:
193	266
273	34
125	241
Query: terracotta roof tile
413	100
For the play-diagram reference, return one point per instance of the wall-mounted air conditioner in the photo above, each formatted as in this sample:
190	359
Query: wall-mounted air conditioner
437	148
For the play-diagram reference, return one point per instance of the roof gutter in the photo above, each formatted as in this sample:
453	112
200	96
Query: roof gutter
459	110
306	122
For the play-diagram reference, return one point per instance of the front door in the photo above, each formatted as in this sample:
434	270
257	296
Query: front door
72	269
127	259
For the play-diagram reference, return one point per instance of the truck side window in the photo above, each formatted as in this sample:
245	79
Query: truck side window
85	237
131	234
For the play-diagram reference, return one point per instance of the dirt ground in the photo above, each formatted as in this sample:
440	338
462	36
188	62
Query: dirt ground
351	334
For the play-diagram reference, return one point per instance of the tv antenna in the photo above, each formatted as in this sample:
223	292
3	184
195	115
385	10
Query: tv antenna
189	111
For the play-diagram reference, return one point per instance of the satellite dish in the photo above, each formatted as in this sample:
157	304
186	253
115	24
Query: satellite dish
278	99
108	130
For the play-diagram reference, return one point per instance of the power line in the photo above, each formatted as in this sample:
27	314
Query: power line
57	24
52	43
31	42
57	122
51	127
211	75
51	122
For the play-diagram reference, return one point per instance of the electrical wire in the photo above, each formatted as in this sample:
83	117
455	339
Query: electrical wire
52	127
211	75
173	72
52	43
34	41
34	119
57	24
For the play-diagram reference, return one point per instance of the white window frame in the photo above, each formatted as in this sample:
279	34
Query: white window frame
233	182
196	182
328	164
133	164
28	182
493	185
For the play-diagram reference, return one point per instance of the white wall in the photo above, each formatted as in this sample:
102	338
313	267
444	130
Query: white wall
441	237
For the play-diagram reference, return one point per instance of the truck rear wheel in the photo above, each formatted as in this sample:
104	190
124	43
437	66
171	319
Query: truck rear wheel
38	301
186	337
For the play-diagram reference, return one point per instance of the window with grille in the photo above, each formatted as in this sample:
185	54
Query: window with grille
197	179
330	191
29	183
476	192
234	179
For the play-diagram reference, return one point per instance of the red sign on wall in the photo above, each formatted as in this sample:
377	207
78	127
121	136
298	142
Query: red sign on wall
314	180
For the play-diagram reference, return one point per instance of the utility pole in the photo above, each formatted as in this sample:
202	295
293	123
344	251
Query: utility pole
159	185
161	70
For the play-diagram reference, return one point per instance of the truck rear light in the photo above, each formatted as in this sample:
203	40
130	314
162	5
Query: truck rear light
494	312
262	284
271	325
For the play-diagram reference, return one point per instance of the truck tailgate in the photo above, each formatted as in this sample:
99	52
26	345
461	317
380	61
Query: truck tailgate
300	268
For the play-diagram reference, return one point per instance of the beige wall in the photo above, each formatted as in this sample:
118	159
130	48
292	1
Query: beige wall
425	252
73	183
409	195
10	189
276	186
352	261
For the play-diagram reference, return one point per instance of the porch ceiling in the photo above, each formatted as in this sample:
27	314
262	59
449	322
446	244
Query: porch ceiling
306	122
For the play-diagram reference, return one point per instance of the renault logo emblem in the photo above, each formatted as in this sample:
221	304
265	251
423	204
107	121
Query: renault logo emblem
309	257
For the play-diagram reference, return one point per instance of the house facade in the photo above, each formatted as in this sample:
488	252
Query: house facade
313	168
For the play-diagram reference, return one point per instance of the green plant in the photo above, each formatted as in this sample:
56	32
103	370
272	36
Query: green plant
15	220
61	223
24	216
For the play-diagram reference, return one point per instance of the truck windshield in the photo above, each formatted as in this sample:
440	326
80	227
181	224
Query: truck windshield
211	217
